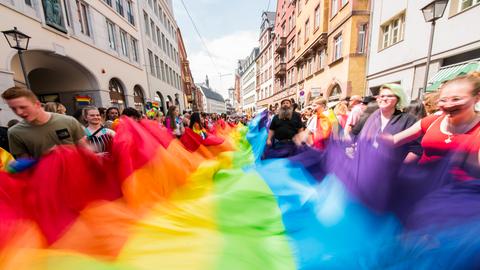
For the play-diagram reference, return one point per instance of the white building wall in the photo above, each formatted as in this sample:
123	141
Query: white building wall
266	87
165	79
248	85
92	53
405	61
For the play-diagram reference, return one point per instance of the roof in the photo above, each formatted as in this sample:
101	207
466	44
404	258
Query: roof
209	93
271	17
450	72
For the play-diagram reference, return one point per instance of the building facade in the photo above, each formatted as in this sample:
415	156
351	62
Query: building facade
331	49
213	101
264	72
188	84
247	70
285	85
79	50
103	52
399	42
160	49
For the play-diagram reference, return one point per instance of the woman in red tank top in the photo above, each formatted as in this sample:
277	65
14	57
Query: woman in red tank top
457	129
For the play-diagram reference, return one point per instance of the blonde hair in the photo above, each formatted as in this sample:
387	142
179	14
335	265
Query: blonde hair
430	101
473	78
51	107
341	108
320	101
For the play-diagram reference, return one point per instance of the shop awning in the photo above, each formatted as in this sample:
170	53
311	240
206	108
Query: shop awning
449	72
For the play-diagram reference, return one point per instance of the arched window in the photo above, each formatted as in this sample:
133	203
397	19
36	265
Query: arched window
169	101
161	101
336	93
177	101
138	98
117	94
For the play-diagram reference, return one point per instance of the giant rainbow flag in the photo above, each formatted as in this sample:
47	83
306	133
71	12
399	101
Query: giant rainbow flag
156	204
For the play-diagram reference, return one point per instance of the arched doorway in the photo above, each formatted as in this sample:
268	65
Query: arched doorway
335	93
57	78
117	93
161	102
169	101
138	98
177	101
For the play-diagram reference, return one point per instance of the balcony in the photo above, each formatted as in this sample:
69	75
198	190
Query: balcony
280	69
280	44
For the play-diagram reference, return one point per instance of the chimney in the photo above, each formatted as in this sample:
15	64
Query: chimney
207	82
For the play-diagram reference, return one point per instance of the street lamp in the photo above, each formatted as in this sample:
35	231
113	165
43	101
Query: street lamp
18	41
431	13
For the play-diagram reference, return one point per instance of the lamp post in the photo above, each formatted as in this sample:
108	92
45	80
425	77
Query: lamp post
18	41
431	13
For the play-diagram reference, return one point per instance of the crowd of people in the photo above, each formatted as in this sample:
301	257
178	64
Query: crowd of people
421	130
45	126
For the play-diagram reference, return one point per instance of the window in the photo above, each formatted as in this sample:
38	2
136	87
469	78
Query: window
130	17
464	4
164	43
159	41
362	35
337	48
290	24
150	3
334	7
119	7
299	41
321	60
157	65
392	31
344	2
66	9
147	25
109	2
134	49
150	60
307	30
82	11
317	17
163	70
28	2
152	26
309	67
299	7
155	7
124	42
111	35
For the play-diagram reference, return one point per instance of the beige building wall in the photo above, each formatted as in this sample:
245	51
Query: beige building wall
310	56
73	62
327	66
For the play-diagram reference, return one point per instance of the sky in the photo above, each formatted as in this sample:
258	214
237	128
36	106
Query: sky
230	29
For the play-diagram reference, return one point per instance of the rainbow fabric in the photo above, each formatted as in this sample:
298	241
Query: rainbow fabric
155	205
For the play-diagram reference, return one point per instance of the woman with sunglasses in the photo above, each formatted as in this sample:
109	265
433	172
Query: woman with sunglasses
390	119
456	129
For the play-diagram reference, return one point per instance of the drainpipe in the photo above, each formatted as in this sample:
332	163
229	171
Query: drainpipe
370	23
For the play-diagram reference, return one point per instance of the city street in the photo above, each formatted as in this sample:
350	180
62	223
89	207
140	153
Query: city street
214	134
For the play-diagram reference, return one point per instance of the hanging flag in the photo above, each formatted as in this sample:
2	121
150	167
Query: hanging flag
83	100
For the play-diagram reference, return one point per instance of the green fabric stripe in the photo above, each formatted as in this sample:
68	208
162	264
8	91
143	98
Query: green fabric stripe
251	223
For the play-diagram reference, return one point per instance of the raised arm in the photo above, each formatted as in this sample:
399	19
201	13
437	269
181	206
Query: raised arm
408	135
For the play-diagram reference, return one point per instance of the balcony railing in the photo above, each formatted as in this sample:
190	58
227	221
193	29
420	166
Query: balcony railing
280	44
280	69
